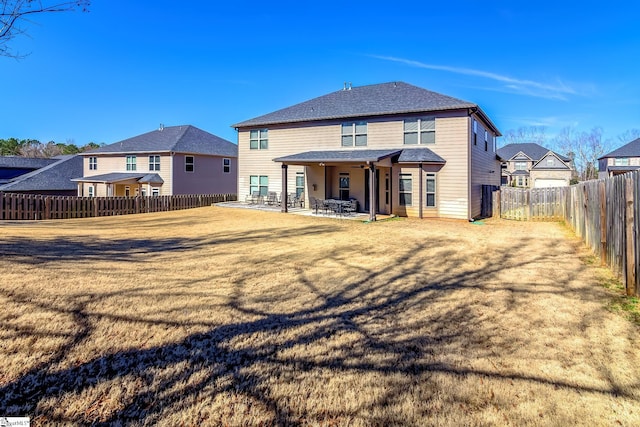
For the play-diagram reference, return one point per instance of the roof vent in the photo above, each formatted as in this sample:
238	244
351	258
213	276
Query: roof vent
161	128
345	86
349	86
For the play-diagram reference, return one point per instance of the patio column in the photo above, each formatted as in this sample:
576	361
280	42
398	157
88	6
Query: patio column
283	198
372	192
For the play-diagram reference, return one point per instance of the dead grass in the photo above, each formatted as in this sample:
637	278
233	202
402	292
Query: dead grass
220	316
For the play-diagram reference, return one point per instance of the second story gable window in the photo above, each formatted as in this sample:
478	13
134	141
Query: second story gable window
131	163
520	166
354	133
420	131
259	139
621	161
154	163
93	163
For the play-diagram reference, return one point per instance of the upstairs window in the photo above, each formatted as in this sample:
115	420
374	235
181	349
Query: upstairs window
259	139
189	164
354	133
475	132
226	165
131	163
622	161
550	162
520	166
154	163
93	163
420	131
486	141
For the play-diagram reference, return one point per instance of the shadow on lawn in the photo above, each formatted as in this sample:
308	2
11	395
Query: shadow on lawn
368	298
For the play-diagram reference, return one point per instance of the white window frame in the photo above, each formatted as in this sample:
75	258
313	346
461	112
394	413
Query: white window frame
93	163
354	134
486	141
402	201
155	191
425	126
189	164
516	165
259	183
475	132
259	139
131	163
154	162
430	191
91	191
299	184
621	161
226	165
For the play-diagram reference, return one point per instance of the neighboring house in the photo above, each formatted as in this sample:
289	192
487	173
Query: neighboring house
534	166
624	159
395	148
167	161
12	167
53	179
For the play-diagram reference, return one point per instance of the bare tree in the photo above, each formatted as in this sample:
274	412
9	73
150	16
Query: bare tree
629	135
523	134
585	148
14	13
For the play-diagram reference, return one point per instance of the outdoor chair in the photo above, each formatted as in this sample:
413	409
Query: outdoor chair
350	207
272	198
252	198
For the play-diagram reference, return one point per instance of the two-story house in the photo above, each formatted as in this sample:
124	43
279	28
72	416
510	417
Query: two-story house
394	147
167	161
622	160
534	166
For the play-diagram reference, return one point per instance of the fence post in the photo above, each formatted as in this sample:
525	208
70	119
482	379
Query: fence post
603	223
630	239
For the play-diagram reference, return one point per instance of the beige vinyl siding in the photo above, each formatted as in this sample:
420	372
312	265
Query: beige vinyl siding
452	139
452	144
485	168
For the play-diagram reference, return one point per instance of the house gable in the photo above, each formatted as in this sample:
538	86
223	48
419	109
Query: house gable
551	161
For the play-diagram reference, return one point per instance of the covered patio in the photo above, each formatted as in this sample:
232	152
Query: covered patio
120	184
364	175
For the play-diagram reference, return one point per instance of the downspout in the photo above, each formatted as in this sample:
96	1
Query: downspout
284	194
372	192
420	191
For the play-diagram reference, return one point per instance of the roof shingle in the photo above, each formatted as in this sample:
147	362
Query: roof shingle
364	101
180	139
631	149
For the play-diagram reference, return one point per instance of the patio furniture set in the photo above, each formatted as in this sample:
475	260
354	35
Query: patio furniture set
273	199
333	206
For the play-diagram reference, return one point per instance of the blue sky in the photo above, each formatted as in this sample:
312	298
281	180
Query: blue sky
125	67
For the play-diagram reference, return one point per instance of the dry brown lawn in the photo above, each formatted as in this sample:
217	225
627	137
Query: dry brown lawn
220	316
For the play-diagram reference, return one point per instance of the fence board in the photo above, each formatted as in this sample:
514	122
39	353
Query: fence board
603	213
14	206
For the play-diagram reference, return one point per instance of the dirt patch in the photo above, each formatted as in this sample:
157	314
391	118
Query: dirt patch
228	316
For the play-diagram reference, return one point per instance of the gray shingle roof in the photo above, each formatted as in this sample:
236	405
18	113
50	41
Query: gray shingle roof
142	177
631	149
180	139
365	101
339	156
24	162
52	177
419	155
533	150
407	155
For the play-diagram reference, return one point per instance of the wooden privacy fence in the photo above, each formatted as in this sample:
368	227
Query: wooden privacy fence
603	213
35	207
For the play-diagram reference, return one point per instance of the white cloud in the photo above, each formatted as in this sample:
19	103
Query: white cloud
557	90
